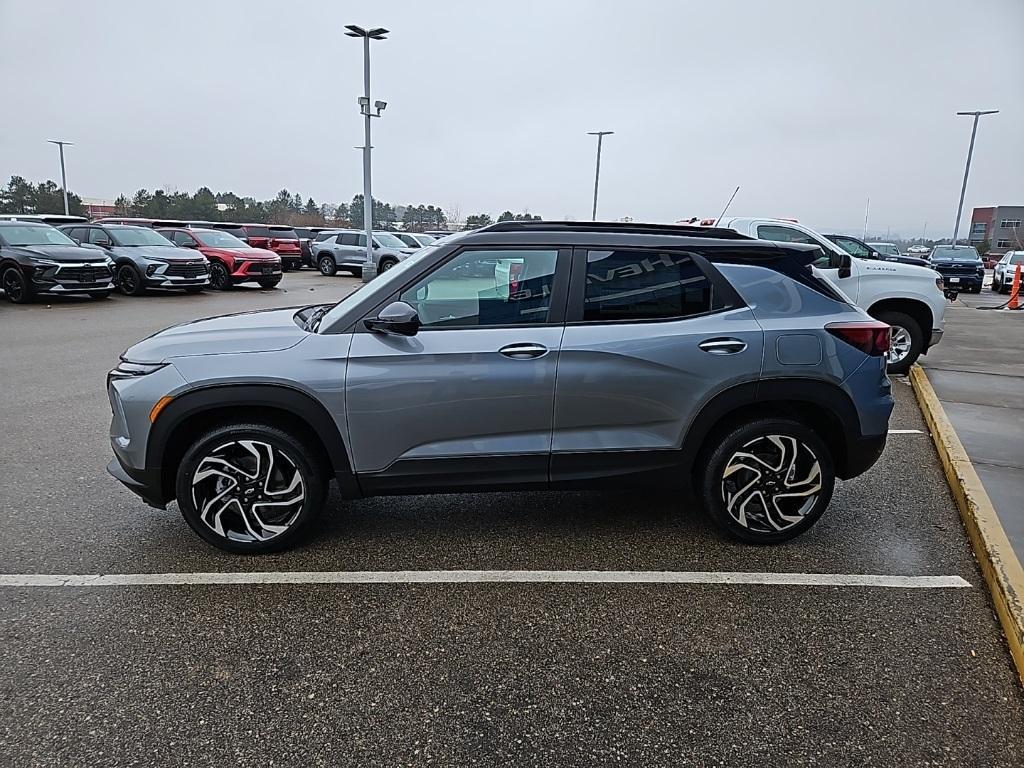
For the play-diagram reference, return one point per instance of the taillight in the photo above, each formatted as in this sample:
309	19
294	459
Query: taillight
870	337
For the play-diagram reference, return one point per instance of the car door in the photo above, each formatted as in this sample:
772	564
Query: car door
466	401
828	264
650	336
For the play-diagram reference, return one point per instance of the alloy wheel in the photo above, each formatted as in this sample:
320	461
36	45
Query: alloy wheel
127	280
771	483
327	267
14	285
218	276
900	345
248	491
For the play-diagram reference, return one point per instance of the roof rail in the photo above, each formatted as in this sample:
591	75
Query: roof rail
623	227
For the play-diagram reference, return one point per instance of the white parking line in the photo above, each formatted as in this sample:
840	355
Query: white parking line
905	432
478	577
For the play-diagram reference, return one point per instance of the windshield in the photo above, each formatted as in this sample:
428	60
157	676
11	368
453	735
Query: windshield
387	240
217	239
424	239
232	228
34	235
140	236
954	254
886	249
1017	257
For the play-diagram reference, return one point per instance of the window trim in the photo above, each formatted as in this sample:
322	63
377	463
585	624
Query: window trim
559	289
578	286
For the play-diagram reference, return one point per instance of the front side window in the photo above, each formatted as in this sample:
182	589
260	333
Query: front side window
853	247
99	236
486	288
644	285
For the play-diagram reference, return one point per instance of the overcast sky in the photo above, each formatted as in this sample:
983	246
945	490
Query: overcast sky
809	106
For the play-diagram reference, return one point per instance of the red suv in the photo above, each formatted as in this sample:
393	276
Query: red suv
278	238
232	261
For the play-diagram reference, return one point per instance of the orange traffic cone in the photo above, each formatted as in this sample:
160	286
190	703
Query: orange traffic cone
1015	290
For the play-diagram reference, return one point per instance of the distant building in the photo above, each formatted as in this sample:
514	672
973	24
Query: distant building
1001	225
96	208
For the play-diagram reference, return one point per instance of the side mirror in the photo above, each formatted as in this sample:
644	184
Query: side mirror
874	255
189	244
845	263
396	319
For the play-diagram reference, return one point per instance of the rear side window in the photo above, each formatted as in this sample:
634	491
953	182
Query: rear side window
350	238
644	285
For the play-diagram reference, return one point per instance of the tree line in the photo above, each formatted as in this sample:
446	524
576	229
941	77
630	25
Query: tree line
22	196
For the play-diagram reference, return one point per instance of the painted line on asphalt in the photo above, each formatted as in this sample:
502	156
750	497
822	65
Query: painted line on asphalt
481	577
906	432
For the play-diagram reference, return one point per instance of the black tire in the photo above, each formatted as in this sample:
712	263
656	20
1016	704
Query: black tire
285	266
220	278
385	265
194	289
101	295
268	284
737	503
292	457
899	320
996	288
17	289
327	265
129	280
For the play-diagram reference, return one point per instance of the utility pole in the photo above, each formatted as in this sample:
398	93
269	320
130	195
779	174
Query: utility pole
967	170
597	173
63	175
867	209
369	266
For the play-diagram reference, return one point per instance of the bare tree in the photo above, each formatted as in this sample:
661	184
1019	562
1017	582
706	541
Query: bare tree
453	214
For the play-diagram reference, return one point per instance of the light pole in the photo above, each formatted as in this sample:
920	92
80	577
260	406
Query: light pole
369	267
967	170
597	174
63	176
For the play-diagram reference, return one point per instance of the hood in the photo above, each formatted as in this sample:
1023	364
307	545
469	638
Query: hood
268	330
242	253
61	253
159	252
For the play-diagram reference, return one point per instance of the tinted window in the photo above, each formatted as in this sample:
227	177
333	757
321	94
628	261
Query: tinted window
283	233
484	288
78	233
234	230
350	238
643	285
409	240
258	231
98	236
181	238
303	233
361	241
321	236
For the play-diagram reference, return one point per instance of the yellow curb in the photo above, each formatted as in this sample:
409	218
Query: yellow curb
999	564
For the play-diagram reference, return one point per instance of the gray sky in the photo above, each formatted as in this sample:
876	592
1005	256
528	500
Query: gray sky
809	106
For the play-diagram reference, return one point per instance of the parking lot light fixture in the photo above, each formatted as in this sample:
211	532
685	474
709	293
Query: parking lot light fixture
63	176
970	151
597	173
378	33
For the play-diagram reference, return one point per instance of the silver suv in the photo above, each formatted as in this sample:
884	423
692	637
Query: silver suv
531	355
346	249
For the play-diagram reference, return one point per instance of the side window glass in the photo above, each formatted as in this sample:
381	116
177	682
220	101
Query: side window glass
644	285
854	248
781	234
361	241
182	238
486	288
98	236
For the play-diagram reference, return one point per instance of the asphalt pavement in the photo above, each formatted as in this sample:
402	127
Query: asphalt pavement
978	375
469	674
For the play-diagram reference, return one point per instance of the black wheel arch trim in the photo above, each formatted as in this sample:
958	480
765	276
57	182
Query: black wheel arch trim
822	394
289	399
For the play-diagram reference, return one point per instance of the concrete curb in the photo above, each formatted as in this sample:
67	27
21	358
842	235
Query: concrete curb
999	565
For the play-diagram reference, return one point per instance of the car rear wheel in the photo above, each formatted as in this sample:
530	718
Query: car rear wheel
386	264
220	280
328	267
129	280
767	481
907	341
15	286
250	488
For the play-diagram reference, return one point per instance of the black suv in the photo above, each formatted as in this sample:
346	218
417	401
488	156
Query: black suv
38	259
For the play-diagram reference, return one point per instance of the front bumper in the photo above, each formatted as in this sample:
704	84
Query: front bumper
165	281
255	270
936	337
962	282
144	483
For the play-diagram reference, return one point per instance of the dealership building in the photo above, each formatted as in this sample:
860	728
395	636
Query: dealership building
1001	225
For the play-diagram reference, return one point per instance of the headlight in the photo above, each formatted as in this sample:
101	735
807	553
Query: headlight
43	262
126	369
151	269
939	284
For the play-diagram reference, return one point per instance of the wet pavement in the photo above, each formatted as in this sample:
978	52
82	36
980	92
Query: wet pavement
470	674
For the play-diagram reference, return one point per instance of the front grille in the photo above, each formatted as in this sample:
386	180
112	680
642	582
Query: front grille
86	274
957	271
185	270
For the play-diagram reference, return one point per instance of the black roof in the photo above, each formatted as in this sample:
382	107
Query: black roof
623	227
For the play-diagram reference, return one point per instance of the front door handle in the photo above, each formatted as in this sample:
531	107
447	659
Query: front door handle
523	351
723	346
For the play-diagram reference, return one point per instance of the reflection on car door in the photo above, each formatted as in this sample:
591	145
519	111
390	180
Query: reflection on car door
467	401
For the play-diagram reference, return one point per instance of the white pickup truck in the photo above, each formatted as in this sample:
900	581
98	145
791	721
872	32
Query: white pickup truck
907	297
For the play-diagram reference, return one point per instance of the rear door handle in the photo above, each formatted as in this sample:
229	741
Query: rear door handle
523	351
723	346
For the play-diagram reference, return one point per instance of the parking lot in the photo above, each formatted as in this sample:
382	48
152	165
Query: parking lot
511	673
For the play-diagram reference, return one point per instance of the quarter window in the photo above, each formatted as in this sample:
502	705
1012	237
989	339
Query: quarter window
486	288
644	285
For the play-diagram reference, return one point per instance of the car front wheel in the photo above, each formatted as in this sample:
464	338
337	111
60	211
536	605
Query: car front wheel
250	488
220	280
129	280
15	286
768	480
